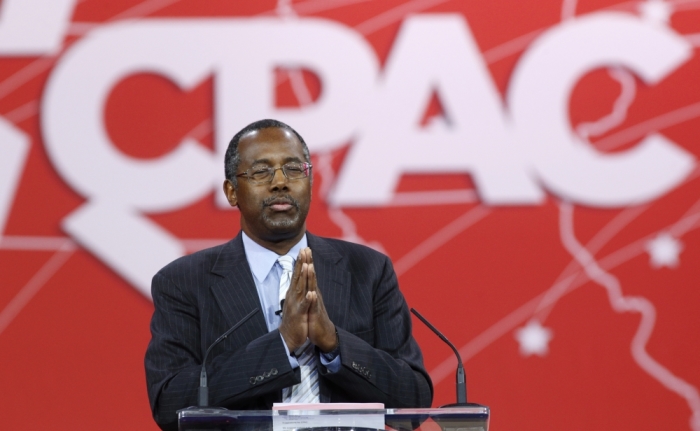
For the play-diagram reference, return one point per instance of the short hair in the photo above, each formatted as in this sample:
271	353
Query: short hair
233	159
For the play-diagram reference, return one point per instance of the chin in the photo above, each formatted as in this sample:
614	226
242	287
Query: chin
282	224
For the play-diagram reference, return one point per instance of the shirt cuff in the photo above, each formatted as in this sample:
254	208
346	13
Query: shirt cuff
292	360
332	365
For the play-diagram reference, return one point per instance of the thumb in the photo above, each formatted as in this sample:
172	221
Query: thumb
307	302
314	303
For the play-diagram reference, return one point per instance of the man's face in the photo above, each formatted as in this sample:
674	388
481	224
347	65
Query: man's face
275	211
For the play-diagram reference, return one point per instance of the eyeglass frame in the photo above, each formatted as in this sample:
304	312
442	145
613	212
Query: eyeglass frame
306	165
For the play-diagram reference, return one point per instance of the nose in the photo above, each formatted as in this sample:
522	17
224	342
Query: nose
279	180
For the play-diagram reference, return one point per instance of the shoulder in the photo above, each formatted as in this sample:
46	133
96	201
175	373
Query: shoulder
356	255
195	266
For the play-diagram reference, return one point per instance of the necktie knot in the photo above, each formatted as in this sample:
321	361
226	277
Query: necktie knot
287	263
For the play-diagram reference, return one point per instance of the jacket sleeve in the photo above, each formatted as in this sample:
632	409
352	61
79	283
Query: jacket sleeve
382	364
238	377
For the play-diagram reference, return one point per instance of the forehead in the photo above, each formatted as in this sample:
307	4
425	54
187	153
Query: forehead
274	145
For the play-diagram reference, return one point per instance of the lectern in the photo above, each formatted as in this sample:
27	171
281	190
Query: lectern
445	419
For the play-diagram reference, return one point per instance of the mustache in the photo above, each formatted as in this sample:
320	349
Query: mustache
281	199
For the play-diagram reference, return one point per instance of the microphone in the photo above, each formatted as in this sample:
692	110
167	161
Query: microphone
461	377
203	388
279	312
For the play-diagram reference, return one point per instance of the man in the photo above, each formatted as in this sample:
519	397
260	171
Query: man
342	334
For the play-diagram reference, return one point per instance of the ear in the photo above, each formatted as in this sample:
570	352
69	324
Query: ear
230	193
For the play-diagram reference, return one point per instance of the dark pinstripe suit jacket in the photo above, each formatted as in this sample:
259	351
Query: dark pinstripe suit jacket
200	296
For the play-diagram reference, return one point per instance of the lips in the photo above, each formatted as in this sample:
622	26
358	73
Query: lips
280	207
281	204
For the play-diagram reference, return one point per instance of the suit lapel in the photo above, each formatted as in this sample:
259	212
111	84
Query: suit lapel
235	292
333	278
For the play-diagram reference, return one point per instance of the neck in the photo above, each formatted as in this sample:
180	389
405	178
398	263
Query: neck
278	244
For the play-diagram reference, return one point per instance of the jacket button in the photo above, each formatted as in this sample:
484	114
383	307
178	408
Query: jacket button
259	378
273	371
266	374
252	380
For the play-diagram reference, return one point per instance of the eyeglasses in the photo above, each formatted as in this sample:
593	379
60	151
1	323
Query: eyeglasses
265	174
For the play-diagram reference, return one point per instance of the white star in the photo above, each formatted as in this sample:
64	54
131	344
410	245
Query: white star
533	339
663	251
656	11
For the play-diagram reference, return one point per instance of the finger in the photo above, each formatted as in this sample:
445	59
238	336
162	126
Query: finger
313	304
319	306
294	291
309	255
297	271
306	302
291	298
302	255
313	281
304	279
297	289
301	287
311	277
314	307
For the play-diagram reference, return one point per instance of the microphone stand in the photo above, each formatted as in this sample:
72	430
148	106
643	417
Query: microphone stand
461	378
203	388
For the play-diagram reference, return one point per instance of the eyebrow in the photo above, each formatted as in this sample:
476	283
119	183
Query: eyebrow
267	161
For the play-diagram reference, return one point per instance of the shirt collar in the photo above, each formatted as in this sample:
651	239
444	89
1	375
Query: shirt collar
261	260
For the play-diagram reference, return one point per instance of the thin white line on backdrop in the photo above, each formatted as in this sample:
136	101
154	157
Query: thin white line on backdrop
440	238
38	280
393	15
657	123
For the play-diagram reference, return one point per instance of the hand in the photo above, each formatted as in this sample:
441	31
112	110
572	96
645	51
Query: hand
321	329
294	327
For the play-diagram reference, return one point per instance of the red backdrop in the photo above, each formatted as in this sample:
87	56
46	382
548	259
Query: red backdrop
529	166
